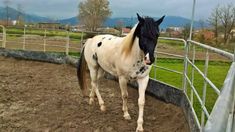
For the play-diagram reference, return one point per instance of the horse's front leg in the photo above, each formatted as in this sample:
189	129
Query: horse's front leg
123	87
142	87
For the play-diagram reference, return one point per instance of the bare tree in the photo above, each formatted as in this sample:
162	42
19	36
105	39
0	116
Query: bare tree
227	18
7	3
186	31
202	24
92	13
20	15
119	26
215	22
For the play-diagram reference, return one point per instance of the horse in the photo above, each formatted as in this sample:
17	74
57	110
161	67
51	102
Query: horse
128	58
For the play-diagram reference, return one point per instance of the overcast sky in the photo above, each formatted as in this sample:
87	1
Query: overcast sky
122	8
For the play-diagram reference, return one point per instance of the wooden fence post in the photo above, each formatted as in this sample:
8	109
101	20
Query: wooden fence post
44	40
24	38
67	44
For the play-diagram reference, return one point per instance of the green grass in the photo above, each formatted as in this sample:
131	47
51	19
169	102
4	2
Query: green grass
217	72
49	33
74	54
179	45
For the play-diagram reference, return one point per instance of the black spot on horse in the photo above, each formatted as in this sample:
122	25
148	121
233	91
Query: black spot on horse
110	38
95	57
99	44
137	72
142	69
103	38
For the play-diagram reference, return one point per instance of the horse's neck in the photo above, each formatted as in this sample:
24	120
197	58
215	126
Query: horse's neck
130	49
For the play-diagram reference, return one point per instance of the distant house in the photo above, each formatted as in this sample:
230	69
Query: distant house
4	23
175	34
174	31
74	28
125	31
49	25
107	30
178	29
14	22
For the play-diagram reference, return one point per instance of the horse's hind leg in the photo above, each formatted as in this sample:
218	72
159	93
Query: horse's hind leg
94	85
92	93
92	96
123	87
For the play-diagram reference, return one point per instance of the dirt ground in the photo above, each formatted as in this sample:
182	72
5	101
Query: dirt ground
36	96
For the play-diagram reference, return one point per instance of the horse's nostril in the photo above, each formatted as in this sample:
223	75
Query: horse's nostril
145	58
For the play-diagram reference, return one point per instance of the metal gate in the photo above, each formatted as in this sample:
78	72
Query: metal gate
221	118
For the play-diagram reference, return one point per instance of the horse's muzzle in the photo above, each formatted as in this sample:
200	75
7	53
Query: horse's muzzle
148	60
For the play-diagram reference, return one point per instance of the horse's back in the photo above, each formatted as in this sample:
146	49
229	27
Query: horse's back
103	50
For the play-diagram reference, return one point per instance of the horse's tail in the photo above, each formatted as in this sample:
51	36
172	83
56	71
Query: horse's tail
81	72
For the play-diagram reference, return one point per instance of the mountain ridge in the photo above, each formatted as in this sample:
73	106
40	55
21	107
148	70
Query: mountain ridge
174	21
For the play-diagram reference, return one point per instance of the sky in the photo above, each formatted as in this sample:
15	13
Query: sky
59	9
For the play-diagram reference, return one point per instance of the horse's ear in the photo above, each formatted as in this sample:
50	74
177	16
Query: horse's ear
159	21
141	20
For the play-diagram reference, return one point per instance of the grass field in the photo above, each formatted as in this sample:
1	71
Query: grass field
20	31
217	72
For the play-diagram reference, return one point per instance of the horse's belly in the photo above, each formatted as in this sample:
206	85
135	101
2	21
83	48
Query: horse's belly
110	68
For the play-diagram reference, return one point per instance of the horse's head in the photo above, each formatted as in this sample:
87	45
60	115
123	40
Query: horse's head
147	31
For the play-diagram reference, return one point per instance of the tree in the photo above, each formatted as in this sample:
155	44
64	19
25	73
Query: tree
119	26
186	31
93	13
200	35
7	3
214	22
202	24
223	18
227	18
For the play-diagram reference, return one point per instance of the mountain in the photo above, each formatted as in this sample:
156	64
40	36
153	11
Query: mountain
13	13
70	21
169	21
175	21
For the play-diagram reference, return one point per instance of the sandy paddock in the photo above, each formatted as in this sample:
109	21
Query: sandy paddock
37	96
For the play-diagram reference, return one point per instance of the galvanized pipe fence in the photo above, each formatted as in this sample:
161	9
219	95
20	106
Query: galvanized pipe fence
206	118
205	114
64	42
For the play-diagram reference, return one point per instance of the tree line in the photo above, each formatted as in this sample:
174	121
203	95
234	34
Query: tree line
222	19
93	13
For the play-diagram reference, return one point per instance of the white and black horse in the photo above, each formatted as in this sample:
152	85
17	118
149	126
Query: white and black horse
128	57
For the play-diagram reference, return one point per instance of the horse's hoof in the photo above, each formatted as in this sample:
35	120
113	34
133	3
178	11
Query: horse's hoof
139	129
91	101
127	117
102	108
